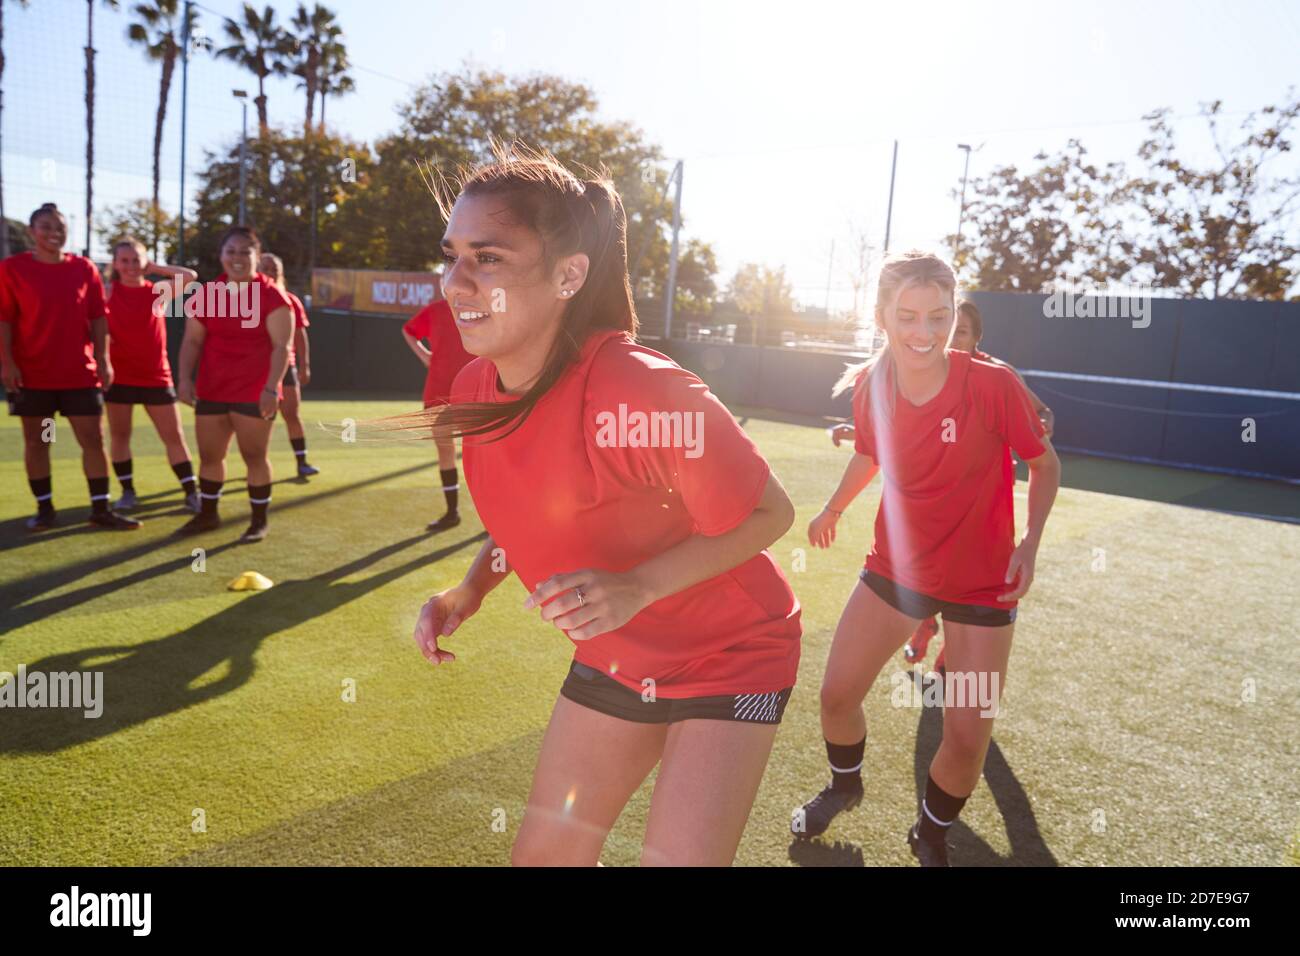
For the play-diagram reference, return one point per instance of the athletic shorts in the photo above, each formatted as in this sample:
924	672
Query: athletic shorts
203	407
141	395
44	402
291	377
918	605
589	687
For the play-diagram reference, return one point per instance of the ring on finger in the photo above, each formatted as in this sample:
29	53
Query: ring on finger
582	598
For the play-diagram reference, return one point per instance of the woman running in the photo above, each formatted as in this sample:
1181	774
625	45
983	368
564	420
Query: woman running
939	425
444	357
635	511
137	346
237	331
53	330
299	372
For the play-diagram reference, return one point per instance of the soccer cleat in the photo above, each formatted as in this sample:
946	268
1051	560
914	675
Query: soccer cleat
200	523
42	521
306	471
449	520
927	852
938	664
254	534
126	502
914	650
192	503
113	521
816	815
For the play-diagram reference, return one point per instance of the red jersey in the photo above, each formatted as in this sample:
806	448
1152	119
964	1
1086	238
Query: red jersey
299	322
946	524
587	482
436	323
236	359
51	306
137	330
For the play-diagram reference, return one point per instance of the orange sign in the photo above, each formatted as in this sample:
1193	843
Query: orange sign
367	290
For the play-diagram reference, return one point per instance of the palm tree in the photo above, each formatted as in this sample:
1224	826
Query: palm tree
314	32
334	77
258	46
4	223
90	108
159	32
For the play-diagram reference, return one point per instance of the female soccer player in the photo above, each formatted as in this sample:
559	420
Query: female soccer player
444	357
53	328
299	372
635	511
237	331
137	346
939	425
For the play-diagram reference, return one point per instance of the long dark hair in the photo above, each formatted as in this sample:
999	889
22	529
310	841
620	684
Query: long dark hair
571	215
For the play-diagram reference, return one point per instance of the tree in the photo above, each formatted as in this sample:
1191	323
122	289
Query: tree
159	33
138	219
314	33
760	290
258	45
5	244
1219	231
861	269
90	110
334	77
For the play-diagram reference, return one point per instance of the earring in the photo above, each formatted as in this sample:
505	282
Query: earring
566	292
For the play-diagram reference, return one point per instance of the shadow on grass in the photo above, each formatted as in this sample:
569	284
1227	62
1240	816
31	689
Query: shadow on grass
152	679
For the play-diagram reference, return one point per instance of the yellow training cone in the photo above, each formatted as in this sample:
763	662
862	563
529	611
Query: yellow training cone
249	581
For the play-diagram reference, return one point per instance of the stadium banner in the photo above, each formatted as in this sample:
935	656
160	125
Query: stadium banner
370	290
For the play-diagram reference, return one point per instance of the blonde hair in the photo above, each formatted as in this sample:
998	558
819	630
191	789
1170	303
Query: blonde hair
131	242
279	266
899	272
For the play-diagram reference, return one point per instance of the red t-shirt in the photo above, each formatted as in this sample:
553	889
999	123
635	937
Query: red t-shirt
946	524
137	330
436	323
559	494
236	359
299	322
50	306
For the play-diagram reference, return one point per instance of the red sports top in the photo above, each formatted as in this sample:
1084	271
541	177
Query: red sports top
436	323
299	322
50	306
946	524
236	359
559	494
137	332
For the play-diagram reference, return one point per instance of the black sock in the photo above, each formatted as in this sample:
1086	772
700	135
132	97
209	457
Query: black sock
98	494
209	495
450	487
184	470
42	490
123	471
846	764
259	498
939	811
299	449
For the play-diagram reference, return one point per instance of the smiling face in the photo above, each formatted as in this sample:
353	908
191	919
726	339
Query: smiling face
49	233
506	299
239	258
918	326
129	264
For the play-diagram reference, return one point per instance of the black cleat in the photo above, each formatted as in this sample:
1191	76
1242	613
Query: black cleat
254	534
926	851
815	816
113	521
42	521
200	523
449	520
306	471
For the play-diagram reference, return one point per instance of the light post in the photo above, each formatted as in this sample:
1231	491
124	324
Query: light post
242	96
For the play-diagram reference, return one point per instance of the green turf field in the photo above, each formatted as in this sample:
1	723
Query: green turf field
1151	712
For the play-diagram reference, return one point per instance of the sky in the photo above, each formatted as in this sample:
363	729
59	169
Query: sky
783	114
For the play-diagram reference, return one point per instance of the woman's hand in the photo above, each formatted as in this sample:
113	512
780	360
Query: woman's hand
268	402
304	375
185	392
821	530
1022	564
440	616
840	433
589	603
11	377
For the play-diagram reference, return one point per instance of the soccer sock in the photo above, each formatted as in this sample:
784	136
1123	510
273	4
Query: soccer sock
299	449
123	471
846	764
43	492
259	497
938	812
450	487
209	495
98	494
184	470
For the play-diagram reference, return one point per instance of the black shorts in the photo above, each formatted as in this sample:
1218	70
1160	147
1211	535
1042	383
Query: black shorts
290	377
141	395
204	407
921	606
44	402
590	688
